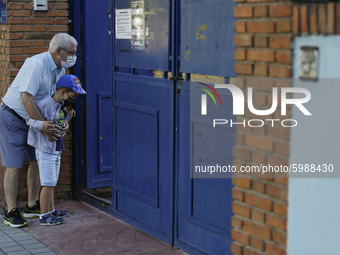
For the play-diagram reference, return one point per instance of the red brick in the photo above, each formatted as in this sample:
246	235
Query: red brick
240	26
258	157
28	6
39	21
258	201
236	222
280	71
241	182
57	14
303	19
239	54
12	20
260	27
40	44
313	26
280	209
257	243
14	6
274	249
18	43
261	70
19	13
337	15
283	181
259	1
61	28
243	40
243	11
277	161
14	51
64	181
330	18
237	194
276	222
65	174
241	210
241	153
62	21
296	20
260	11
322	18
39	28
61	6
257	216
279	10
282	148
240	237
243	68
258	187
260	55
283	26
239	138
277	192
261	143
283	57
279	237
260	41
34	50
257	230
19	28
236	249
248	251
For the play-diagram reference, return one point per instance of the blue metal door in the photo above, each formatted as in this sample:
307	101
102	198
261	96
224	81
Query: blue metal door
97	59
143	116
138	118
203	205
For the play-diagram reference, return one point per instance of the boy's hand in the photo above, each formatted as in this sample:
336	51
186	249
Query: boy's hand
51	130
64	129
72	113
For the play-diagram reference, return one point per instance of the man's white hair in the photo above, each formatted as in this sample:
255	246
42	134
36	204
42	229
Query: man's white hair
61	40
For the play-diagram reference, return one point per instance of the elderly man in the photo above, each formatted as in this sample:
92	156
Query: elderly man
35	80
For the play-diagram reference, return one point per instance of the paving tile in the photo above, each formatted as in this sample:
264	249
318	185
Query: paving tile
13	249
40	250
19	253
34	246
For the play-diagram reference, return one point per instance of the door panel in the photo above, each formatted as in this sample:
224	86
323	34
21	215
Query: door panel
143	140
97	59
203	205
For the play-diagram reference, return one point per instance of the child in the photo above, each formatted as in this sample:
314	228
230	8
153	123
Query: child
48	152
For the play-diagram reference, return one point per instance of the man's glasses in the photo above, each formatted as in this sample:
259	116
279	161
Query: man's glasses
72	54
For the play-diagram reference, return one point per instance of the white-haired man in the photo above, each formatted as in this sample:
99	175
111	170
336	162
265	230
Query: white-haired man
35	80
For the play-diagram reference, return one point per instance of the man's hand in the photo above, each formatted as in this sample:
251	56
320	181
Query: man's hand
64	129
51	130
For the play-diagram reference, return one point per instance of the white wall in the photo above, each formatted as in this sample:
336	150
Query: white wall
314	203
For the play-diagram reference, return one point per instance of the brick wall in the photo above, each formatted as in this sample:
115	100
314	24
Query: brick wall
27	33
263	39
316	19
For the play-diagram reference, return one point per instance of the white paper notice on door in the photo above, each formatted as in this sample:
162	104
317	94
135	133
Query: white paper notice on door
123	24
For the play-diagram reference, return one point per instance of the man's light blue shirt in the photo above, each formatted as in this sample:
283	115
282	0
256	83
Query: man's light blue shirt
37	77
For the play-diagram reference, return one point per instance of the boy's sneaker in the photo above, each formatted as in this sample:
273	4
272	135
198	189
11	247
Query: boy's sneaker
32	212
50	220
60	214
14	219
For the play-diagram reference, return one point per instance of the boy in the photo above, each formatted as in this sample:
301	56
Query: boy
48	152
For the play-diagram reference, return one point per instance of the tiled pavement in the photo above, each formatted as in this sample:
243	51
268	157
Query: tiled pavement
87	231
13	241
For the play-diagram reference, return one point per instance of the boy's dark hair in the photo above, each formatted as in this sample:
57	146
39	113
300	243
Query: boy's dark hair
68	89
